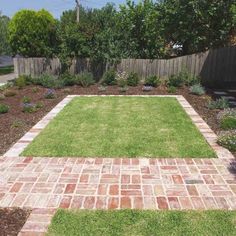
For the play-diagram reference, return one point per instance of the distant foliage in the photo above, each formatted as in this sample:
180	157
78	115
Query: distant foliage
33	34
4	45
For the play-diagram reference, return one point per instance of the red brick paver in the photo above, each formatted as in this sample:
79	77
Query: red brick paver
45	184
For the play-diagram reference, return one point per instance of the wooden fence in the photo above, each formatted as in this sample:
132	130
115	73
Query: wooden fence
215	67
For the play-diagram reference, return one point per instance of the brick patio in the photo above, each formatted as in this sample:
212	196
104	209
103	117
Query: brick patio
45	184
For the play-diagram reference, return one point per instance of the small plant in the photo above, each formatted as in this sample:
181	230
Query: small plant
29	108
121	78
50	94
26	99
133	79
6	86
109	77
227	119
9	93
147	88
221	103
66	90
153	81
197	89
39	105
171	89
102	88
3	108
123	89
49	81
85	79
175	81
21	82
228	140
122	83
35	89
67	79
2	96
17	124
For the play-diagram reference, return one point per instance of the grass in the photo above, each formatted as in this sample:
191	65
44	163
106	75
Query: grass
121	127
6	70
143	223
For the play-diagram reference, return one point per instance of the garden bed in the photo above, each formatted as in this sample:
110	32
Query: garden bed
145	223
12	220
15	123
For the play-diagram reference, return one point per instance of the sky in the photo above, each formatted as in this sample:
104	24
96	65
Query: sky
56	7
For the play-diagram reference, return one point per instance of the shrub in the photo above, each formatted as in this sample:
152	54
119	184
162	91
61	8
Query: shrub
175	81
123	89
26	99
3	108
109	77
20	82
35	89
85	79
153	81
227	119
133	79
67	79
49	81
220	103
50	94
39	105
32	34
197	89
171	89
228	140
29	108
9	93
102	88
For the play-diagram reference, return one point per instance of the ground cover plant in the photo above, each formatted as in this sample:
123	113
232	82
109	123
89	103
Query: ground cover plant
121	127
143	223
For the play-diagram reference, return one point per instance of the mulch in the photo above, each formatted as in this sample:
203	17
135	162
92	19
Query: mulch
15	123
12	220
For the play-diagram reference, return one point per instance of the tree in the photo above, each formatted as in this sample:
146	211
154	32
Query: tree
196	25
139	30
33	34
4	46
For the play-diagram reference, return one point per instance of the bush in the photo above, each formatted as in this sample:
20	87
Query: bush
29	108
49	81
85	79
227	119
50	94
175	81
9	93
228	140
197	89
153	81
21	82
171	89
32	34
26	99
67	79
109	77
3	108
133	79
220	103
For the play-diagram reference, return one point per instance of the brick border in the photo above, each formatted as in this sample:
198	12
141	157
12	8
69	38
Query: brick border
205	130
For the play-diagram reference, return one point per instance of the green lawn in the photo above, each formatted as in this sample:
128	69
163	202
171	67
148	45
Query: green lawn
121	127
6	70
143	223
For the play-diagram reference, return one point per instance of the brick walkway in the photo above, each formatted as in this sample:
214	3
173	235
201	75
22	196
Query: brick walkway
45	184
